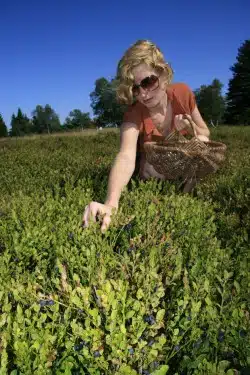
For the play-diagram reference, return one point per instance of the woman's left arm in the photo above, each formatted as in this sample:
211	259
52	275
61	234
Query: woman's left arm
201	126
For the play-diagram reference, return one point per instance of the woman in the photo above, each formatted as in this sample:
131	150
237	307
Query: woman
155	107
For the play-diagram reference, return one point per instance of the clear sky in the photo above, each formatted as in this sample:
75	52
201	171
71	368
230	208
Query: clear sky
53	51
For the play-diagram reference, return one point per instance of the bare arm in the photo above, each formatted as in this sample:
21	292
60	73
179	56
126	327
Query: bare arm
124	163
201	126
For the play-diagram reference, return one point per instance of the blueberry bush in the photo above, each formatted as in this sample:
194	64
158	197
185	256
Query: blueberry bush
165	290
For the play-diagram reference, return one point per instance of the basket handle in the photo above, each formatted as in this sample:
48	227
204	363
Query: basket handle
192	124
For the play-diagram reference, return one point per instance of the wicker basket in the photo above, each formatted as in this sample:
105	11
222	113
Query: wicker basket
176	157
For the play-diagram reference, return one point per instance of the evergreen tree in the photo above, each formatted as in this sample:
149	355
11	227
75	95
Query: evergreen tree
3	127
20	124
238	96
211	102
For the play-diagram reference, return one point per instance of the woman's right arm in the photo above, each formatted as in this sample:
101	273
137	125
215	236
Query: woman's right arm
120	174
124	163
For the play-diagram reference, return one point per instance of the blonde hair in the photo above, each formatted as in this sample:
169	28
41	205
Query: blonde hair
143	51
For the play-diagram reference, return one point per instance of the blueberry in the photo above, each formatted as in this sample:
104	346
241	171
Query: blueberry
149	319
242	333
50	302
197	344
221	336
131	350
145	372
189	317
128	322
97	354
71	236
151	342
128	227
82	344
130	249
80	311
16	260
155	365
176	348
77	348
42	302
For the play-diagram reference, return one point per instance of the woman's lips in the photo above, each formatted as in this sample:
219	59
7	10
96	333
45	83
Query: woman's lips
147	101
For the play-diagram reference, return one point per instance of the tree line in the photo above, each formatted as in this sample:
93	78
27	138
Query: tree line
232	108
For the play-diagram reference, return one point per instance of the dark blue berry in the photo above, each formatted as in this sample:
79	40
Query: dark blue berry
80	311
82	344
197	344
242	333
131	350
189	318
151	342
50	302
155	365
176	348
145	372
149	319
77	348
71	236
221	336
16	260
97	354
130	249
42	302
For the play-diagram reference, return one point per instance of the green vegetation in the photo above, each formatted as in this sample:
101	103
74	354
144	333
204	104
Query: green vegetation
164	291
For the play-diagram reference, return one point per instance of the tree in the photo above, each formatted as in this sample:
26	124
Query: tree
238	95
45	119
104	103
77	119
3	127
20	124
211	102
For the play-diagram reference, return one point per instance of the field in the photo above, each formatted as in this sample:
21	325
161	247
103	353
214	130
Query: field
166	290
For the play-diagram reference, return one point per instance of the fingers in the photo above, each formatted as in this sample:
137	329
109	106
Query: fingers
90	212
106	222
181	121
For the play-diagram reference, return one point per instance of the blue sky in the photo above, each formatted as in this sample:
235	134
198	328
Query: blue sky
53	51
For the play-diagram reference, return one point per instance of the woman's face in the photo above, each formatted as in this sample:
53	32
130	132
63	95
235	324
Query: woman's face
152	88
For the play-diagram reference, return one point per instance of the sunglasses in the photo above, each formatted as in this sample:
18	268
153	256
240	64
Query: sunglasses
149	83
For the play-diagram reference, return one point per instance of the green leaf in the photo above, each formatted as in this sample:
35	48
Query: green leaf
176	332
208	301
161	371
206	285
130	314
237	286
160	315
123	329
140	293
223	365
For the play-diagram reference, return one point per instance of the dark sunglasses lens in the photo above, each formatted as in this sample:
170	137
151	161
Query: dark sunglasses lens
149	82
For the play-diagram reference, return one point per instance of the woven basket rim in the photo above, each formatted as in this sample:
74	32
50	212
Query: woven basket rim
180	143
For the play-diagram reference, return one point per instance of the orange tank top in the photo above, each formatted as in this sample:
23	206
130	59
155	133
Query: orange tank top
182	101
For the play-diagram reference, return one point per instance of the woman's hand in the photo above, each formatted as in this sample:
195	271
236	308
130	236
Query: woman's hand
93	209
182	123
